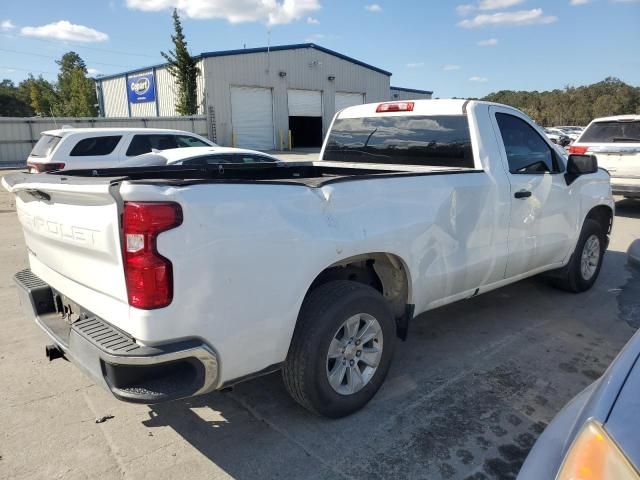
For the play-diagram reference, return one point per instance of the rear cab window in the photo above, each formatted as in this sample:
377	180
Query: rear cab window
95	146
45	145
612	132
436	140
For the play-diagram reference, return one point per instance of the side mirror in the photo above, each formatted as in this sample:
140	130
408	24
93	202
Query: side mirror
580	165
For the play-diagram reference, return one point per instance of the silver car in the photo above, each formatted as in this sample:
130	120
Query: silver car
597	434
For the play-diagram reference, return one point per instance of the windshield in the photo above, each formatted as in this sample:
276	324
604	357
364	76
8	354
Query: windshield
442	140
45	146
612	132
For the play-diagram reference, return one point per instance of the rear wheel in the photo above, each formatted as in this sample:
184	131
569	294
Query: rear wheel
582	270
341	349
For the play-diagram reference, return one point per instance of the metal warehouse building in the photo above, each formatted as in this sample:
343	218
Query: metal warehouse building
254	97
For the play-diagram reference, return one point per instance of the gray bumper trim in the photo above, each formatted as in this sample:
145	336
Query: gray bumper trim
91	342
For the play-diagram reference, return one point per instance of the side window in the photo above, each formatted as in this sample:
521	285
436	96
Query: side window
526	151
188	141
95	146
139	144
144	143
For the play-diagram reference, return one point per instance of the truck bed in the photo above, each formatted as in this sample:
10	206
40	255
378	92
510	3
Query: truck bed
309	174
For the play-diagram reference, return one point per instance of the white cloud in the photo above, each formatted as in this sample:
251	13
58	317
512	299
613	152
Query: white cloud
7	25
374	7
486	5
465	9
415	65
521	17
489	42
478	79
449	67
497	4
625	1
93	71
64	30
312	21
575	3
273	12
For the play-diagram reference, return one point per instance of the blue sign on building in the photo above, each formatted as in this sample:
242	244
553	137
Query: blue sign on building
141	88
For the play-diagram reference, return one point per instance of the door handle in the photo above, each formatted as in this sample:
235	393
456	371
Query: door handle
522	194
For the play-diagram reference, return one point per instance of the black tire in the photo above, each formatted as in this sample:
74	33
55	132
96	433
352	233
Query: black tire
571	278
322	314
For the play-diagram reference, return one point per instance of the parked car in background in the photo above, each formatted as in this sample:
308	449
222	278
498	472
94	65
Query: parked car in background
73	148
597	435
571	130
199	156
164	283
557	136
615	141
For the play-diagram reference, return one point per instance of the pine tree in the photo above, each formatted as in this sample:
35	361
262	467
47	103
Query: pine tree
183	68
76	92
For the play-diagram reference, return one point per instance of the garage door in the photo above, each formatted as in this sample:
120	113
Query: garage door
305	103
252	117
344	100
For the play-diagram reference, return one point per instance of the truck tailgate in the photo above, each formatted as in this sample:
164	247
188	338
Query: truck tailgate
72	228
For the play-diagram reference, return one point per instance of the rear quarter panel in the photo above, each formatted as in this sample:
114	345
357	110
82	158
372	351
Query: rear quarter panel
246	255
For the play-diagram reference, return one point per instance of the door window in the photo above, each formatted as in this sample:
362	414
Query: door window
145	143
526	151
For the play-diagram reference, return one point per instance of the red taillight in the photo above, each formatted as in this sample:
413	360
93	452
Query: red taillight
45	167
395	107
148	274
576	150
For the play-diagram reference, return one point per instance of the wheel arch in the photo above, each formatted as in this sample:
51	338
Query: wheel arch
386	272
603	214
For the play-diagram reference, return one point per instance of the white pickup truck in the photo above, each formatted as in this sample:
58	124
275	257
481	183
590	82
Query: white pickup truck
167	282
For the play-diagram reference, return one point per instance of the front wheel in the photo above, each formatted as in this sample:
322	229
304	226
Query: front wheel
341	349
582	270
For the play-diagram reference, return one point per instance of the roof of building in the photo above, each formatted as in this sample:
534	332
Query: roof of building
411	90
296	46
243	51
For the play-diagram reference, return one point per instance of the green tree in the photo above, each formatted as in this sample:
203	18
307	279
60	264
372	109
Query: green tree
183	68
76	92
574	105
42	96
13	102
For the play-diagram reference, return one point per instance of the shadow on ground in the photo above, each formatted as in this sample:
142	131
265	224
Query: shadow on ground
467	395
628	207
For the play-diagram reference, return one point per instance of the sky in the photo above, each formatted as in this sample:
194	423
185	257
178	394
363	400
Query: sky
457	49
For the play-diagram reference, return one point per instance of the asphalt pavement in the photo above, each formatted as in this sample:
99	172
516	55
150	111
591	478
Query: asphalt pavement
466	397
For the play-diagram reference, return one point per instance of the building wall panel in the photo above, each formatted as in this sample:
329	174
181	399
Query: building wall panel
306	69
114	94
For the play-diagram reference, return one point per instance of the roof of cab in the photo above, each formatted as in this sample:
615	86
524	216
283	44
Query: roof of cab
420	107
618	118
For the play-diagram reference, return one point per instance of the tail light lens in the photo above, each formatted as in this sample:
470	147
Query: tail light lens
148	275
45	167
576	150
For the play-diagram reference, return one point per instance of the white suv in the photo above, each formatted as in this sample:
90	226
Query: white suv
73	148
615	141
